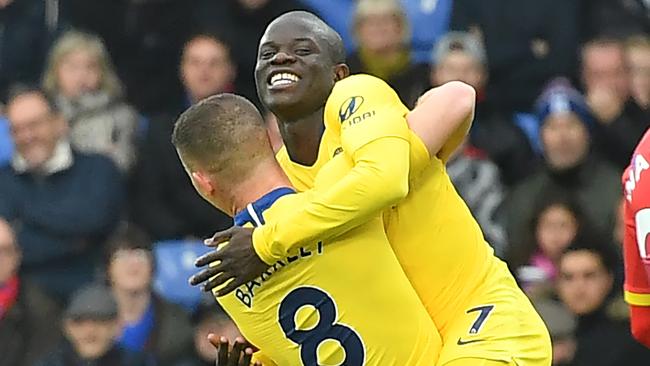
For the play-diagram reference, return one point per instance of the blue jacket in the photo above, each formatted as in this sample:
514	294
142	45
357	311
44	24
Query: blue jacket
62	219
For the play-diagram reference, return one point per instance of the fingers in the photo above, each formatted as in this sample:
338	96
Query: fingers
218	281
232	286
205	275
208	258
214	340
248	356
222	355
237	349
220	237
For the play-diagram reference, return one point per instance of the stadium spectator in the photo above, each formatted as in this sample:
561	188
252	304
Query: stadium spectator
144	38
477	180
429	20
637	50
461	56
149	324
28	318
241	23
62	202
6	146
80	79
568	166
620	121
163	201
28	27
525	48
555	223
90	324
585	281
209	318
620	18
561	326
382	32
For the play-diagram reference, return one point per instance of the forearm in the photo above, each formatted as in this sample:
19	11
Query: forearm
376	181
443	118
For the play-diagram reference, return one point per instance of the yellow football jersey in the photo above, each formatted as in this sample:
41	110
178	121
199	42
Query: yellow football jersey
434	235
320	305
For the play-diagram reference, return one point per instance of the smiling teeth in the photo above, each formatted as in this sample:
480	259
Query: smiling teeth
284	79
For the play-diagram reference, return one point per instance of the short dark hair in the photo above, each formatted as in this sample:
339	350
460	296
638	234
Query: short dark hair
605	251
222	132
20	89
127	237
333	40
209	36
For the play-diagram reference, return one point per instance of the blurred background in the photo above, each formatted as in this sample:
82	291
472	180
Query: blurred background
99	225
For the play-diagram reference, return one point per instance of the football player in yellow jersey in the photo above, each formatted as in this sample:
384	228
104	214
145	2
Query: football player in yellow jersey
298	312
483	316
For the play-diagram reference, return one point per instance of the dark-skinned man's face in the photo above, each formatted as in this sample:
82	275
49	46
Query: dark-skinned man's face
294	72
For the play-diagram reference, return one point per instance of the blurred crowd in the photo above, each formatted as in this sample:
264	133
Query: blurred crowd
93	197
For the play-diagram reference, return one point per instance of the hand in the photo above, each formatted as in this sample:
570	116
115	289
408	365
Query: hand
605	104
239	355
237	259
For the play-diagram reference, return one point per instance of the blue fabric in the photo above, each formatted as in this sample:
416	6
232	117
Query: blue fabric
6	143
429	20
174	265
134	337
261	205
530	125
62	218
338	15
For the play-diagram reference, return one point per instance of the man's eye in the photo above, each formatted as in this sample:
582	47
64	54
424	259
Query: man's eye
303	51
267	54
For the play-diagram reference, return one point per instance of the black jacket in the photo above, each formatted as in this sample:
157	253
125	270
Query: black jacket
30	329
162	198
65	355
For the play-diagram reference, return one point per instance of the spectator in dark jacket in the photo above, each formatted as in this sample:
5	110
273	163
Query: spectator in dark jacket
461	56
241	24
90	325
382	32
149	323
26	30
63	203
28	319
620	121
568	166
585	281
163	201
528	43
621	18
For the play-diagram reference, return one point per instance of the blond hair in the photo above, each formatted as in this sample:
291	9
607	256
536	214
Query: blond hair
638	41
73	41
367	8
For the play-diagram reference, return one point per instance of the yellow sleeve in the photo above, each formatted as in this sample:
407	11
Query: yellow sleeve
637	299
371	121
265	360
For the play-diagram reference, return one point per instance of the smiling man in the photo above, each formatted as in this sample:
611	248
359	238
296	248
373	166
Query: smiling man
351	129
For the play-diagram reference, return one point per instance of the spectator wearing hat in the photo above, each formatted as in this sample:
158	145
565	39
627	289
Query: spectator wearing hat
90	325
561	325
620	121
382	33
568	166
461	56
585	286
209	318
147	323
28	319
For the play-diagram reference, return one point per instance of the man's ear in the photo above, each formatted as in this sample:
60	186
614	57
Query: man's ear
341	71
203	183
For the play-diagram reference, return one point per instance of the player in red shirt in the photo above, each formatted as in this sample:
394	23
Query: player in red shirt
636	184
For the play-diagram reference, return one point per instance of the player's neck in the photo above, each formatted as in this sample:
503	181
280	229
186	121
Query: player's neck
266	178
302	137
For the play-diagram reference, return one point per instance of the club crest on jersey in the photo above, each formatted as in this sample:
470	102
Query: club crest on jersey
349	107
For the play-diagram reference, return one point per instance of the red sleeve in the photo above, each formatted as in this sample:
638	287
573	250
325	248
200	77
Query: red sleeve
640	320
636	242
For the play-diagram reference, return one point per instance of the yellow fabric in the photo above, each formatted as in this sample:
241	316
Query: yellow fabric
477	362
637	299
341	204
432	232
372	297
